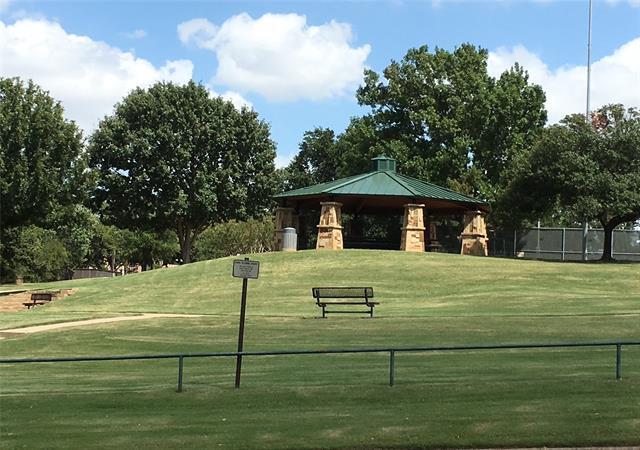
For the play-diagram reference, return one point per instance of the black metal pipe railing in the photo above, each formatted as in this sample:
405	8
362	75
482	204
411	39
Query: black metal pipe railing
391	351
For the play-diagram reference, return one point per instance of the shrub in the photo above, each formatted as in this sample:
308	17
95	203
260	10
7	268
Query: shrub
232	238
35	254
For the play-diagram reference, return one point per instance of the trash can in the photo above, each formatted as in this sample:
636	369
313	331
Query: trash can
289	240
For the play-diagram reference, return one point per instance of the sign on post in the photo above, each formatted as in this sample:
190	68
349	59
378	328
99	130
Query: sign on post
245	269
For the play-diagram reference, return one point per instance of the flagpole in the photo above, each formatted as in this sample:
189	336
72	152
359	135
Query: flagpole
589	64
585	223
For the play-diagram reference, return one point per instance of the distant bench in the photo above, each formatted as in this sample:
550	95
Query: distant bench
39	298
348	293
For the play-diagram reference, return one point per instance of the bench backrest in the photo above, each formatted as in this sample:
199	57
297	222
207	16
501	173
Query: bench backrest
41	296
342	292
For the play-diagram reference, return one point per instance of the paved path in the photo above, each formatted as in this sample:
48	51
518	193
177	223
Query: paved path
79	323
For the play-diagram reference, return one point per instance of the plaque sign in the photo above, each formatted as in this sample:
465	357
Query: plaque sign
246	269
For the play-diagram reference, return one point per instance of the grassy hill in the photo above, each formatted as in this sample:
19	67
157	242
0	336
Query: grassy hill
486	399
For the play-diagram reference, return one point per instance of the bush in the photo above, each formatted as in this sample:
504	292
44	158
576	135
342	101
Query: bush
232	238
35	254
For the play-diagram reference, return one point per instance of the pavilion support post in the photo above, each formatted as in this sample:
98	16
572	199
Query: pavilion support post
330	226
413	228
285	217
433	245
474	237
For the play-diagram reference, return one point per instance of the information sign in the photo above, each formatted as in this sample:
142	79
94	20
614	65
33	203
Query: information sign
245	268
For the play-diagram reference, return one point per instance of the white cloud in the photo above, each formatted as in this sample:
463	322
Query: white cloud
198	31
280	56
135	34
87	76
238	100
614	78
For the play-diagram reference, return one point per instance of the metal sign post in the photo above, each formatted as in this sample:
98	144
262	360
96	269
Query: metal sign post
244	269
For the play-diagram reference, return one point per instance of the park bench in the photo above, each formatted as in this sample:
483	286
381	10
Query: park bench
39	298
350	295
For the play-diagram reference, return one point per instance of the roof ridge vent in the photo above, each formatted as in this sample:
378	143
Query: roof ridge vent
383	162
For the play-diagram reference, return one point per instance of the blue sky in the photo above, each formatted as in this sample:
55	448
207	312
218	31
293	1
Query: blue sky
90	54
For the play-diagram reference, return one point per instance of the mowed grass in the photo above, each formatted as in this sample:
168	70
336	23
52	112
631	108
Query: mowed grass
517	398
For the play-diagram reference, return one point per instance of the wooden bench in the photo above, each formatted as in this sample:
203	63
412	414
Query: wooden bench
351	294
39	298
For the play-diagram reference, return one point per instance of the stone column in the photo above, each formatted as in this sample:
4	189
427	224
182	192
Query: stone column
474	237
285	217
413	228
330	226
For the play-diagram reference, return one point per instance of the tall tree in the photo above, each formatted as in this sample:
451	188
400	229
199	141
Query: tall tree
41	163
316	162
449	121
41	172
173	157
585	170
444	119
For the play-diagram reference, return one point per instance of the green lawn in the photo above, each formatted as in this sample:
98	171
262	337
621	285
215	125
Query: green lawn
463	399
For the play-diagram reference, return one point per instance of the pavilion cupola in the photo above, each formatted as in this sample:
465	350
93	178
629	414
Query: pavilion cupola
383	162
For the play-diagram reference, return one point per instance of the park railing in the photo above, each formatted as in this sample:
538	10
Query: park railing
180	357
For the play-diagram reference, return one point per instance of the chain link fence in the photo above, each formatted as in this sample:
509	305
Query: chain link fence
563	244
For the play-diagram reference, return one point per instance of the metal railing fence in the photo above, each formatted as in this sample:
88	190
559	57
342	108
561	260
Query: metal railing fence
563	244
391	351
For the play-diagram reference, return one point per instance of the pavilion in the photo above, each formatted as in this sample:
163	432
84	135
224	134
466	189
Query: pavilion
383	191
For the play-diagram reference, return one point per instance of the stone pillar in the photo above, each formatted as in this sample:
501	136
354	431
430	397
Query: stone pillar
474	237
285	217
330	226
413	228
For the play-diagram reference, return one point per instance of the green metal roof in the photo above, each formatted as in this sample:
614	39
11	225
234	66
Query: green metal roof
381	183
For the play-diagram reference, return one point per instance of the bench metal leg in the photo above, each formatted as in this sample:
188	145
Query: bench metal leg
324	316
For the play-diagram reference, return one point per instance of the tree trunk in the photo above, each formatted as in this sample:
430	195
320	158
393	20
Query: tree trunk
185	248
608	236
187	235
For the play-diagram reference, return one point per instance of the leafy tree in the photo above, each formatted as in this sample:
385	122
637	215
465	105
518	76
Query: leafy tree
77	227
41	168
41	161
316	162
444	119
583	171
36	254
443	115
173	157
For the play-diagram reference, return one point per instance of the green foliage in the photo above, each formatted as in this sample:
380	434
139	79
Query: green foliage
77	227
441	116
582	171
36	254
115	247
233	238
316	162
172	157
41	162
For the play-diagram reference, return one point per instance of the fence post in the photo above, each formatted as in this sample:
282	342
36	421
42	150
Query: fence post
515	242
392	363
585	236
618	361
564	232
180	369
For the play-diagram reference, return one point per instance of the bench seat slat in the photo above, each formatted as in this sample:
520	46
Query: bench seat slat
362	293
347	303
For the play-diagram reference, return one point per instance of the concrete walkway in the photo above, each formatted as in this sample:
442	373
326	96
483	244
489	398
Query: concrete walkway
80	323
